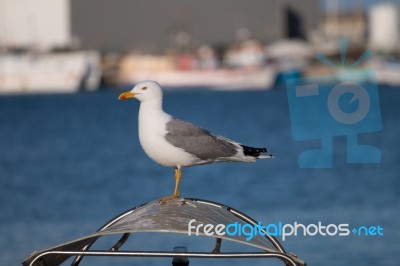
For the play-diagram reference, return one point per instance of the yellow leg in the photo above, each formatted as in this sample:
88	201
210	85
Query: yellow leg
178	175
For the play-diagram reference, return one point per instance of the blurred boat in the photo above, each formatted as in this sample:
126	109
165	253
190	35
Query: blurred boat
379	70
291	58
220	79
170	73
49	73
387	70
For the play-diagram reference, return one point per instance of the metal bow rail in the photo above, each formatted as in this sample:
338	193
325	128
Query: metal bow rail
171	217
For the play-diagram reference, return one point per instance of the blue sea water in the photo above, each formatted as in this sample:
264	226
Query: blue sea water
69	163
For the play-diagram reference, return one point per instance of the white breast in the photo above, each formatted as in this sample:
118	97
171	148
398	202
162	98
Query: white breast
152	138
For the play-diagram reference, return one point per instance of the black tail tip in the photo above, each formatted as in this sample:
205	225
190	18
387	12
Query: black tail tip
254	152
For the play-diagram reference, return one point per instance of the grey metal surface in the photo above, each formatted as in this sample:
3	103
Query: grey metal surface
172	217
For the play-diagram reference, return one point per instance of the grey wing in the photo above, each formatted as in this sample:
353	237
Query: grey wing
197	141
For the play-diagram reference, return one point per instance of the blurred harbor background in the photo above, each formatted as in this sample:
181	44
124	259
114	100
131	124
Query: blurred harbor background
70	159
70	45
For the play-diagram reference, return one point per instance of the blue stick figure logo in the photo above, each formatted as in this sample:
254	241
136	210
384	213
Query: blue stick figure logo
346	107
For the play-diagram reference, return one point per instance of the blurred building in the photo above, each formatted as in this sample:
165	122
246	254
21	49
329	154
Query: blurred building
151	25
376	27
350	25
384	27
42	24
29	29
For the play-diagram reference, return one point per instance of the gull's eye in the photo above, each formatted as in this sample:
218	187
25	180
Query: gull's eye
144	88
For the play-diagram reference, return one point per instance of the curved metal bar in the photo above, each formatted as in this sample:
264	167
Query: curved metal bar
284	257
120	242
217	247
78	259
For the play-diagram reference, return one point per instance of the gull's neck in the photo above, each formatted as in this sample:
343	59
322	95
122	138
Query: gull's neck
151	109
154	105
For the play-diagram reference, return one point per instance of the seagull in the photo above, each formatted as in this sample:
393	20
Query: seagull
175	143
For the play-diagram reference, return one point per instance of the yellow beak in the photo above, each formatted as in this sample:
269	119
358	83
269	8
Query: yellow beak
126	95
